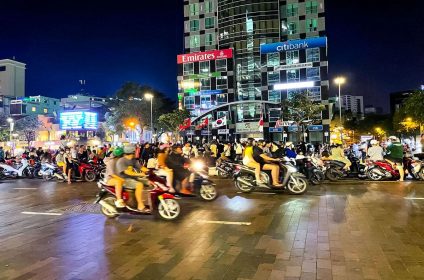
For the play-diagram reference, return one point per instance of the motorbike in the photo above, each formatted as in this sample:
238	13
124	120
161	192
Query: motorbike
49	171
84	171
293	181
225	168
382	170
99	169
335	169
11	170
414	167
158	200
310	167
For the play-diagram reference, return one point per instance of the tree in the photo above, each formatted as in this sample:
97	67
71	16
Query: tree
129	103
171	121
413	107
302	110
27	127
4	128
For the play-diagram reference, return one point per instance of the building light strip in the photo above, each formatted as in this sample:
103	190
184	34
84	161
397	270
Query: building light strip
294	85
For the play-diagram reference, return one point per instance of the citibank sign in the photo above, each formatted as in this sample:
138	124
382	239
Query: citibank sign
294	45
204	56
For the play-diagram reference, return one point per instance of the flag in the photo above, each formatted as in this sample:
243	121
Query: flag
204	124
220	122
261	123
278	123
186	124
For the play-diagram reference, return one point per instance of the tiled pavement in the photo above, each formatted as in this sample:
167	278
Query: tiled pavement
349	230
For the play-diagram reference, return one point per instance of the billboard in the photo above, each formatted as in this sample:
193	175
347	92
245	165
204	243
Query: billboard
78	121
204	56
294	45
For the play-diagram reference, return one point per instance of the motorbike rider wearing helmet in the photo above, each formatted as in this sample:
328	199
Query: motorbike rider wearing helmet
375	153
394	155
288	150
133	180
265	162
176	162
337	153
111	177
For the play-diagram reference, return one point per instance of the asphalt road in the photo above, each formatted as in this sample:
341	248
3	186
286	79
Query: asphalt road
346	230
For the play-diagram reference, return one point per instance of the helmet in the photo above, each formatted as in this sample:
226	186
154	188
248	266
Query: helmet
374	142
129	149
393	138
118	151
338	142
289	144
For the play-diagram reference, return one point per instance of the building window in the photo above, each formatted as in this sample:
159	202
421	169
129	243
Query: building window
293	75
311	25
292	10
221	114
274	114
204	67
311	7
188	69
194	41
315	93
221	99
292	57
45	111
189	102
209	39
274	96
33	109
312	55
209	22
2	68
292	92
209	7
312	74
194	25
194	9
221	82
205	102
221	65
205	84
273	77
292	27
273	60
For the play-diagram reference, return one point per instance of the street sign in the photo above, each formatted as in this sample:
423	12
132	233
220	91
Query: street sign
223	131
293	128
315	127
275	129
205	132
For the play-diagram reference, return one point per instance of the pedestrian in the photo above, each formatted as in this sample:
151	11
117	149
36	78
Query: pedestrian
1	154
238	148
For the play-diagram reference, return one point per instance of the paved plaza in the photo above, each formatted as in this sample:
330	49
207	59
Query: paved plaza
345	230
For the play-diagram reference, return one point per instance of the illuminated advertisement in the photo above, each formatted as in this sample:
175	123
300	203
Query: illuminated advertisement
78	121
294	45
203	56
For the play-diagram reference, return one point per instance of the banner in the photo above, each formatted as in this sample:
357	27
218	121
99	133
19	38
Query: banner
204	56
294	45
247	127
223	131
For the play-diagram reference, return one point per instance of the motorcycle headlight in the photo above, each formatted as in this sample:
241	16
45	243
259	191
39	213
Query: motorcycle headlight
198	166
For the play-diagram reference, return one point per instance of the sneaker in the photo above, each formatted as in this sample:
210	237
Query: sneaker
120	203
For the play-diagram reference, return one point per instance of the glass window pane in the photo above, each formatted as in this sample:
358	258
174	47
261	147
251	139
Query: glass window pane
221	82
194	41
292	10
273	60
205	102
209	22
274	96
221	65
205	84
292	57
221	99
293	75
312	55
194	9
273	77
189	102
204	67
209	39
312	74
209	7
188	69
194	25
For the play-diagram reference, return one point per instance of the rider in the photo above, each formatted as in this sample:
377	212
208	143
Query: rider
337	153
265	162
125	168
111	177
249	161
176	162
375	153
394	155
163	168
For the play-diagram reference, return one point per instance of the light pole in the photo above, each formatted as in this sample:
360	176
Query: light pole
11	124
339	81
150	96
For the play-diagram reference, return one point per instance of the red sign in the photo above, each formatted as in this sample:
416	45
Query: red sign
203	56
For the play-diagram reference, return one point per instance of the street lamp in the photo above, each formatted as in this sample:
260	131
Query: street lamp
339	81
11	124
150	96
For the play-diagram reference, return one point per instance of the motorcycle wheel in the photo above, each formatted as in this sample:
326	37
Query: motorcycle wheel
243	187
110	200
208	192
421	174
28	174
374	176
173	209
222	174
297	185
90	176
47	177
332	175
315	179
102	173
38	174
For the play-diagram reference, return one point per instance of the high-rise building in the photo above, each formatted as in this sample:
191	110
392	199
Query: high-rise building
12	78
353	104
252	55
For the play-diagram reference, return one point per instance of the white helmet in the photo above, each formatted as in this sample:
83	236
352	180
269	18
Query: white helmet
393	138
289	144
374	142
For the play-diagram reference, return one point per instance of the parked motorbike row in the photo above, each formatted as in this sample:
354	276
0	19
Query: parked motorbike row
24	168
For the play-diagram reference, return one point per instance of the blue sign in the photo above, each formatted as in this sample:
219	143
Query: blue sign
275	129
205	132
315	128
293	128
78	121
294	45
210	92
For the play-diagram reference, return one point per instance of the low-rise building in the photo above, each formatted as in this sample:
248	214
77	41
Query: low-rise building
34	105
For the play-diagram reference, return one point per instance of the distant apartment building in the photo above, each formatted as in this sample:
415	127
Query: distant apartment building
353	104
12	78
34	105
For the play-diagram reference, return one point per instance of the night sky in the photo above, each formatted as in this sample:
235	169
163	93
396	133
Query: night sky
377	45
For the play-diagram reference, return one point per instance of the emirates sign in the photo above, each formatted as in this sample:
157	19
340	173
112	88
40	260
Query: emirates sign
204	56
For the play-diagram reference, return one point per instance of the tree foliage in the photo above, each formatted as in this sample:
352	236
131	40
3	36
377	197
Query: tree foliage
4	128
414	107
171	121
130	103
27	127
369	124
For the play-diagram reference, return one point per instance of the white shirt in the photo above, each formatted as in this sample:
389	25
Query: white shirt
376	153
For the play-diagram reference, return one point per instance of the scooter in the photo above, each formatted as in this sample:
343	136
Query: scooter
413	167
293	181
85	172
158	200
382	170
309	167
335	169
10	171
224	168
49	171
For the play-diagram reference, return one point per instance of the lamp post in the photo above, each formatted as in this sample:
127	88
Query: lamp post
339	81
150	96
11	124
